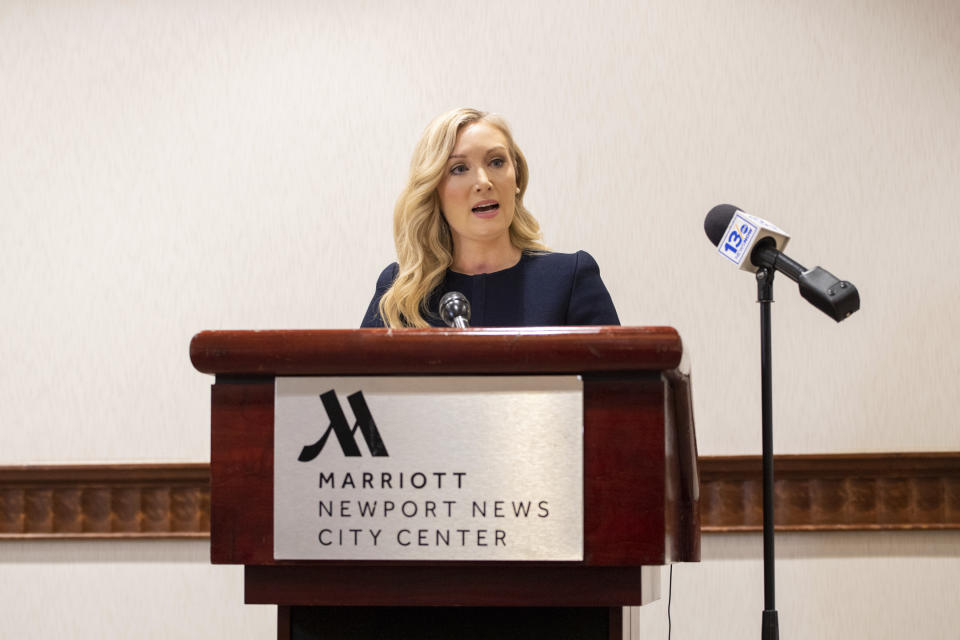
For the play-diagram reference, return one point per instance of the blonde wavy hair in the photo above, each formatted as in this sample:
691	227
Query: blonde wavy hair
421	233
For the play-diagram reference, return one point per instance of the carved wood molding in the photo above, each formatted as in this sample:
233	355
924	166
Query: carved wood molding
833	492
105	501
919	491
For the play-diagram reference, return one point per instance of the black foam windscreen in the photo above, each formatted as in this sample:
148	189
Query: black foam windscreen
717	221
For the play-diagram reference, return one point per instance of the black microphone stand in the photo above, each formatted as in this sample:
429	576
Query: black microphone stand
836	298
770	624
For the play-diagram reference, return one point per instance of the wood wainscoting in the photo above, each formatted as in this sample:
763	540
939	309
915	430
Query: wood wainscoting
918	491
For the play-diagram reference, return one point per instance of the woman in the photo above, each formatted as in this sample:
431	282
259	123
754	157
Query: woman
460	225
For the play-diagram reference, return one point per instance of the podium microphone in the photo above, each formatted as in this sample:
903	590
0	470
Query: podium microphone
738	235
455	310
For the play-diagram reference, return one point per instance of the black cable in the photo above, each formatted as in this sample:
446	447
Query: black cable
669	600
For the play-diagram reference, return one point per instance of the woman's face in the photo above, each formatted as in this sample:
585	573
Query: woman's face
479	185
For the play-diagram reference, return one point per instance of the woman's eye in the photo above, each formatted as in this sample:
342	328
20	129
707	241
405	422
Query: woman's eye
497	162
458	169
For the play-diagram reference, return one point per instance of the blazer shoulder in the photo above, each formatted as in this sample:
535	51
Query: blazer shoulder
555	260
372	317
388	275
565	262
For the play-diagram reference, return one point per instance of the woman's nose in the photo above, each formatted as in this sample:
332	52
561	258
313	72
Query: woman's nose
483	182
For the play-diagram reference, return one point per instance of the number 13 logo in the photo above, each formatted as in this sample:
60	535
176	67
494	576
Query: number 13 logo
735	239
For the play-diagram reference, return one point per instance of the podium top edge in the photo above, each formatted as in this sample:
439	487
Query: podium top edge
475	351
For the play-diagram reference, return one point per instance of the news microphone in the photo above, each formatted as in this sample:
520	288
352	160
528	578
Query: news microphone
738	235
455	310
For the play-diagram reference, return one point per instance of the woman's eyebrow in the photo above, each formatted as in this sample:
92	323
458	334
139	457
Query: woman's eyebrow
495	149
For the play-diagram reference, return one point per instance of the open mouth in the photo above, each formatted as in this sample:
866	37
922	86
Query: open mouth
486	208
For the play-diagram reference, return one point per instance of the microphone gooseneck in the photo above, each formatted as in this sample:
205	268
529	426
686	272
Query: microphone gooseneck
455	310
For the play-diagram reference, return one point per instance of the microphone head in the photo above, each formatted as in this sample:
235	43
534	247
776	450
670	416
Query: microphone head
717	221
454	305
735	234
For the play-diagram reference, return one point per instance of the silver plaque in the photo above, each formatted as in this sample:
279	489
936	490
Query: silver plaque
429	468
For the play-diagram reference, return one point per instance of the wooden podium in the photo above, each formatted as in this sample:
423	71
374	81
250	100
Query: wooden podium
640	482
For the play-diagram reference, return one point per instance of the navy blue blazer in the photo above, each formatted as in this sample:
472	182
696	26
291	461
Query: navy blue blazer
542	290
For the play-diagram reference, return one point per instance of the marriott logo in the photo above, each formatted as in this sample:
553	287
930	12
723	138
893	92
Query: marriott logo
346	435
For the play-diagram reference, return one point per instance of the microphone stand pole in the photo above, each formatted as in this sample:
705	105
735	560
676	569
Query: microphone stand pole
770	624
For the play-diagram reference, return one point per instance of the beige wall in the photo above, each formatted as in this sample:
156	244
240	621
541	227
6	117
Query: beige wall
171	167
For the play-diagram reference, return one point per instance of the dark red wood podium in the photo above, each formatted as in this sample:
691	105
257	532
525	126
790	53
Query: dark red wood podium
641	488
